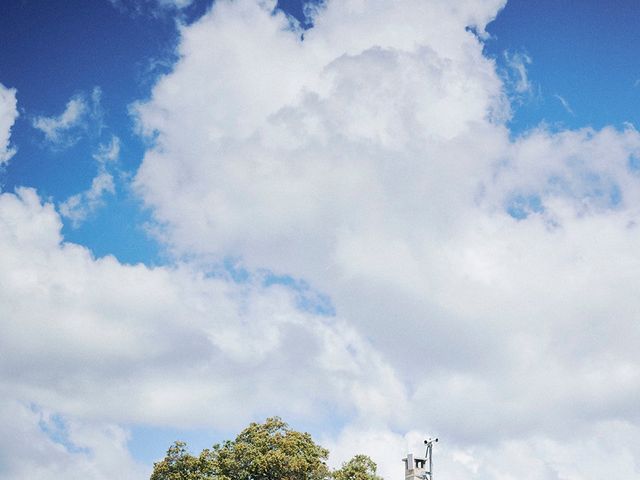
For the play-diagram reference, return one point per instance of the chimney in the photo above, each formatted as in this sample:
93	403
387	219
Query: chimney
414	468
420	468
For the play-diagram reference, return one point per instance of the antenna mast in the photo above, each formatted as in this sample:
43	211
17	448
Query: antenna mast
428	456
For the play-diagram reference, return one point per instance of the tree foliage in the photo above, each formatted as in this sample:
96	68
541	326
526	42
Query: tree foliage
359	467
262	451
270	451
179	464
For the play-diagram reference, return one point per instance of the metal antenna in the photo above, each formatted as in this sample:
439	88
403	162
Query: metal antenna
428	456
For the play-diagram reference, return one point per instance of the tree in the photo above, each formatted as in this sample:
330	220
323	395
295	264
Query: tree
270	451
179	464
359	467
262	451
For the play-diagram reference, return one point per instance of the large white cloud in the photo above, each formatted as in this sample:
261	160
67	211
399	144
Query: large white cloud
484	286
8	115
275	135
97	345
372	159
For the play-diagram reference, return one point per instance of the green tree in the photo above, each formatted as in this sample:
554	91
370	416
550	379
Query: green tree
270	451
359	467
179	464
262	451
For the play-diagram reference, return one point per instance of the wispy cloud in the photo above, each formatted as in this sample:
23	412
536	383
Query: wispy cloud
79	206
149	7
517	63
565	104
8	115
65	129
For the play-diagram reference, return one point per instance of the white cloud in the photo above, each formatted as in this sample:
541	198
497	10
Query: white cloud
8	115
517	63
79	206
99	344
139	7
175	3
53	127
39	446
485	287
65	129
372	160
594	454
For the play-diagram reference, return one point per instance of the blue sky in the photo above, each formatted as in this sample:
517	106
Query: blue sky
581	51
304	211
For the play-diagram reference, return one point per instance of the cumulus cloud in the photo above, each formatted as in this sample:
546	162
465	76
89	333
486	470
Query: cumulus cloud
41	445
90	345
372	159
595	454
79	206
8	115
484	286
65	129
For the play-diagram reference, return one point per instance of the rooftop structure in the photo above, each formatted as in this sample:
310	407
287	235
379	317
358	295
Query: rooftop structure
420	468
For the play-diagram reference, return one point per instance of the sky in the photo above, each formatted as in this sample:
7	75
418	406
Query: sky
381	221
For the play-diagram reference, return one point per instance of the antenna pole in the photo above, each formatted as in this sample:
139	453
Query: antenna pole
429	457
